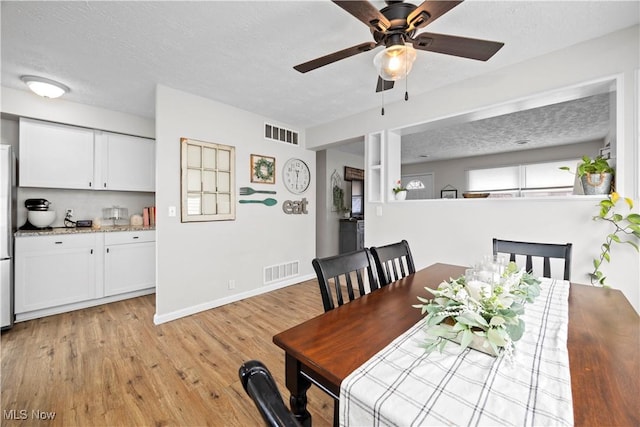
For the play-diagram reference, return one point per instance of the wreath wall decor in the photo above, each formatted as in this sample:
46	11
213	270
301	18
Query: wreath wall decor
263	169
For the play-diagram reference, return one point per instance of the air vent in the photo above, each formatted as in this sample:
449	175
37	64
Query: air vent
276	273
277	133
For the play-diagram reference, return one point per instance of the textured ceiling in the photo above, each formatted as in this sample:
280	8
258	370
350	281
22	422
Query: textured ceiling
581	120
241	53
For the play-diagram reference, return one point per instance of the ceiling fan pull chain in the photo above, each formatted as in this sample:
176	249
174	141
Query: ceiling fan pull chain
406	78
382	111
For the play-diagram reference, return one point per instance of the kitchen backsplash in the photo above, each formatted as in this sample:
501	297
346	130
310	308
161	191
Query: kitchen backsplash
86	204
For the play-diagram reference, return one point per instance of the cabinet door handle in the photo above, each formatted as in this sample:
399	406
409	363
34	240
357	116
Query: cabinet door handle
136	237
105	185
107	250
91	251
89	183
58	243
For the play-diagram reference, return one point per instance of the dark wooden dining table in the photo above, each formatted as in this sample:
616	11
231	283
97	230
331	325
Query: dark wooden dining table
603	344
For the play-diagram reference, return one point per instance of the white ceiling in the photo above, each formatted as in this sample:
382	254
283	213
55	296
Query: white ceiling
241	53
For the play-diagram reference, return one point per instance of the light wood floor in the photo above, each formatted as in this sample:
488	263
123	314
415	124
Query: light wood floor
111	366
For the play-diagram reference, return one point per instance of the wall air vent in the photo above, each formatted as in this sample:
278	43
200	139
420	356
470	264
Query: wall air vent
276	273
277	133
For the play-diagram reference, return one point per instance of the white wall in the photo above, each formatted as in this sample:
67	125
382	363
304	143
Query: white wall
453	172
24	103
196	261
328	222
460	231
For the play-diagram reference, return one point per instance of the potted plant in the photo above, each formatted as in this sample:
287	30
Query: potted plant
338	202
400	191
626	227
595	174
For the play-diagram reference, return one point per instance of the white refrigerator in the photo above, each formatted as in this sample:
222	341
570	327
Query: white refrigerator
7	221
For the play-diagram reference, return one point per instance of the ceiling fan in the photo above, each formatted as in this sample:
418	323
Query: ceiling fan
395	27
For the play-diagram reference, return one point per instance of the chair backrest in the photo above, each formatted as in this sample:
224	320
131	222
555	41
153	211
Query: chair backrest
530	250
261	387
393	262
341	271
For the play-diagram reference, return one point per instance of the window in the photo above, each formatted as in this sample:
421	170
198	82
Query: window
415	184
532	180
208	175
420	186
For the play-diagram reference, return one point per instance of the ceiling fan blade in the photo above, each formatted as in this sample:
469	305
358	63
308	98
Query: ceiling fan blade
384	84
333	57
428	12
365	12
464	47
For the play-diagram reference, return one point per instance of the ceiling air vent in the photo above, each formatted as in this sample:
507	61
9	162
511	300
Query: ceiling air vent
277	133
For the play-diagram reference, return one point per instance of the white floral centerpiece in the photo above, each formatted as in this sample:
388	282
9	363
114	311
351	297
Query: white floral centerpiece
482	314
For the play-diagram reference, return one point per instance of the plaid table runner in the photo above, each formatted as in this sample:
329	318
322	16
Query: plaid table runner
403	386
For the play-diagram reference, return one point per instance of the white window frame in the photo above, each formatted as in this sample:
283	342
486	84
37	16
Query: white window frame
521	190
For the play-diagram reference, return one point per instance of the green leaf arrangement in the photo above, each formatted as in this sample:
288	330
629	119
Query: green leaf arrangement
263	169
626	230
460	312
597	165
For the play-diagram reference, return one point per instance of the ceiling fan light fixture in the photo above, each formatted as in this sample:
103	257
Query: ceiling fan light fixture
395	62
46	88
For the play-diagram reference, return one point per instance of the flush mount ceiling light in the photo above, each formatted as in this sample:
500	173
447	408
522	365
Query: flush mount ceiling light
45	87
395	62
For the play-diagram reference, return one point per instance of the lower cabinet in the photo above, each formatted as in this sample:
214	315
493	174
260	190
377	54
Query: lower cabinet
129	262
54	270
351	235
59	273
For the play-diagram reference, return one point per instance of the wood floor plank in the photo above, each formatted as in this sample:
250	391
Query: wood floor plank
111	366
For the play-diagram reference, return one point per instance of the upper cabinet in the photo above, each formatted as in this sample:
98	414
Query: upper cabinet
61	156
126	163
55	156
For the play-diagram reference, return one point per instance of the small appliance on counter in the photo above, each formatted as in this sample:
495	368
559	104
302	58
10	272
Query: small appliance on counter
39	217
115	216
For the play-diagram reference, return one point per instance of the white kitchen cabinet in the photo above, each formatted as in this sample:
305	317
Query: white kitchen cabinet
60	156
55	156
129	261
124	162
64	272
54	270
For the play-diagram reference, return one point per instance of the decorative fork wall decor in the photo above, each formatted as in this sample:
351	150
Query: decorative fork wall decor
247	191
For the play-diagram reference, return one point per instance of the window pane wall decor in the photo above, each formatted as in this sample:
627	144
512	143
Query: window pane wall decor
208	188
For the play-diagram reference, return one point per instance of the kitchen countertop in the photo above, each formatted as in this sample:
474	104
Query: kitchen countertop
73	230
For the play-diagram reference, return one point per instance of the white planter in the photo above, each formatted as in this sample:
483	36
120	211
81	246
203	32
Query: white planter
401	195
477	343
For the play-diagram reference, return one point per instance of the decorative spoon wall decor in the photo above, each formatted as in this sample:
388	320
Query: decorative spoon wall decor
268	202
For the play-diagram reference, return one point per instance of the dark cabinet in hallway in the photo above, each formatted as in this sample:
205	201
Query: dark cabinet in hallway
351	235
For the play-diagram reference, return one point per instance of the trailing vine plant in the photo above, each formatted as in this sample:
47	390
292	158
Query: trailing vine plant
627	230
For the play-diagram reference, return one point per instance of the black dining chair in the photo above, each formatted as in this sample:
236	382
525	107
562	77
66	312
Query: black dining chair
262	389
393	262
337	274
530	249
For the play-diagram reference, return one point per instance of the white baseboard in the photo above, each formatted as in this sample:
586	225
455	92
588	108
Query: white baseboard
187	311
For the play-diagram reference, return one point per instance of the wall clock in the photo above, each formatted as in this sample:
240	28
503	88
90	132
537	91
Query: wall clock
296	176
